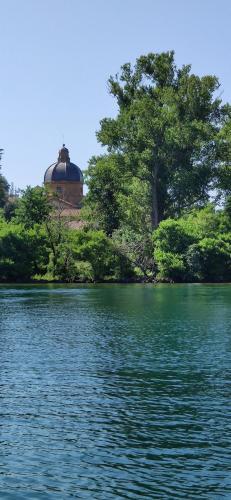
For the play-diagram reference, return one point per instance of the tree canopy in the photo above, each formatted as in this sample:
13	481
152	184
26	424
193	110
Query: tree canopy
34	207
170	135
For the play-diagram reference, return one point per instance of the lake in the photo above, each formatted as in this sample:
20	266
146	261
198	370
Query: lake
115	391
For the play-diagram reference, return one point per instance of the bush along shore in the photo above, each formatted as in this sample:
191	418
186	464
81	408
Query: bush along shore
158	206
195	247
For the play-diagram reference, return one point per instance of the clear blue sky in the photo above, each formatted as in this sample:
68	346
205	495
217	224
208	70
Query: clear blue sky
56	57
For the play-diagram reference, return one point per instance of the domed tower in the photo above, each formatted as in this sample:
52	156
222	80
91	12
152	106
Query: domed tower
65	179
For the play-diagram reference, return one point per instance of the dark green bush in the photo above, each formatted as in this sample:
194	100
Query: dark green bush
23	253
210	259
196	247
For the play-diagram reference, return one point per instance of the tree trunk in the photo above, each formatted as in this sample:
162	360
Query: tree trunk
154	197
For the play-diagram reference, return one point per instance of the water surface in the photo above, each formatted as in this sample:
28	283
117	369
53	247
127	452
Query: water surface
115	391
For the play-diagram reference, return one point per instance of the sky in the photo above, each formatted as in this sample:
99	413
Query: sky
56	58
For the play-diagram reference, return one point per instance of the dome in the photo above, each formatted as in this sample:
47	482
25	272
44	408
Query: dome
63	172
63	169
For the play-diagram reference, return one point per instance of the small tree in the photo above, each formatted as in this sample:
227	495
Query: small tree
34	207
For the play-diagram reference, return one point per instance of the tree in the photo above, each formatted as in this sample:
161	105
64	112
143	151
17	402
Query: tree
4	186
137	249
34	207
105	184
164	135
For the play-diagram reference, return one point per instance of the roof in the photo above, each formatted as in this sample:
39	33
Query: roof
63	169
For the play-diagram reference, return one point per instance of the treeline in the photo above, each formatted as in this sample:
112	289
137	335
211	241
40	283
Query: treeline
37	244
148	214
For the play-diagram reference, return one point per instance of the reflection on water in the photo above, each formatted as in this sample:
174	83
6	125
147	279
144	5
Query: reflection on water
115	392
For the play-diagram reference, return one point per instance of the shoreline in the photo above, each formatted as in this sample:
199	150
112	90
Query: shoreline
113	282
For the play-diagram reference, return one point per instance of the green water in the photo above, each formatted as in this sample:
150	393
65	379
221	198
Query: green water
115	391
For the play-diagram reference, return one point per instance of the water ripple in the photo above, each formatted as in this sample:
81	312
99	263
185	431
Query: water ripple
113	392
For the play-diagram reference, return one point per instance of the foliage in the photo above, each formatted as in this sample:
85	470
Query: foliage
84	271
62	264
227	208
10	207
210	259
97	249
34	207
196	247
167	136
137	249
223	173
4	186
4	189
23	252
38	241
105	183
89	255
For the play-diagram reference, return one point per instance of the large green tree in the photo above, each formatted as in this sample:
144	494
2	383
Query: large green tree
164	136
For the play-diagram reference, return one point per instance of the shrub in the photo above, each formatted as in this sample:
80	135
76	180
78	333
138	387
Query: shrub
194	247
23	253
171	266
88	255
172	236
210	259
84	271
98	250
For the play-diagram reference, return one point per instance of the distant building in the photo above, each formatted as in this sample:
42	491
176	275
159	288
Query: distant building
64	180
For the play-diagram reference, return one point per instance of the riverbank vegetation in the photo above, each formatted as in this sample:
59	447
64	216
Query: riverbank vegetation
158	205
